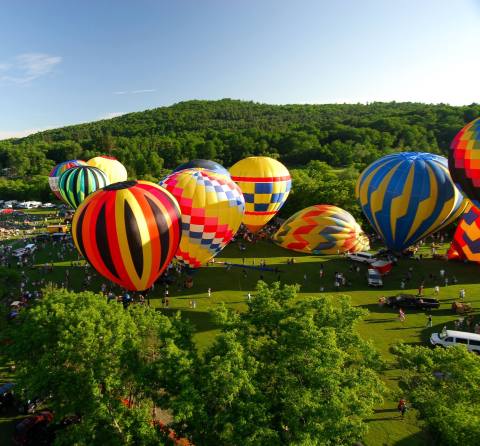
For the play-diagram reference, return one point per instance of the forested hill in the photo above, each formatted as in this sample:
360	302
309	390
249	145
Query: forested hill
148	142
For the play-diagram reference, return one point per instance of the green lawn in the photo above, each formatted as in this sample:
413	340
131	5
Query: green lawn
381	325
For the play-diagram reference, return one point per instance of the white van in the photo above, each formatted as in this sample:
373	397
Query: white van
30	248
447	338
362	257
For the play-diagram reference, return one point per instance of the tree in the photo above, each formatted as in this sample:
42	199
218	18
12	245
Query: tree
284	372
90	356
443	385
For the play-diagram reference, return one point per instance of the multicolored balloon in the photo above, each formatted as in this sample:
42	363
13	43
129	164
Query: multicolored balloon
322	229
212	207
265	184
77	183
129	232
113	168
407	196
464	161
466	240
58	170
203	164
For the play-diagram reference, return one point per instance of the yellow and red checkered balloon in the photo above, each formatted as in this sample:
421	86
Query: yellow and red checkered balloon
265	184
212	207
322	229
466	241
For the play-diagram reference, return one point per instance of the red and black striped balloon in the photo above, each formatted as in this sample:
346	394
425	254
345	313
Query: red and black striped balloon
129	232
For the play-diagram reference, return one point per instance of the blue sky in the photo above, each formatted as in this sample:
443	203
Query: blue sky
65	62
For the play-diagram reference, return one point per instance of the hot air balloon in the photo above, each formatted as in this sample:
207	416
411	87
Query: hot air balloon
113	168
322	229
212	207
466	241
265	184
407	196
58	170
129	232
77	183
464	161
203	164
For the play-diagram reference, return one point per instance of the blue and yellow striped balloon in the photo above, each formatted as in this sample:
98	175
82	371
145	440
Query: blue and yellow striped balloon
407	196
77	183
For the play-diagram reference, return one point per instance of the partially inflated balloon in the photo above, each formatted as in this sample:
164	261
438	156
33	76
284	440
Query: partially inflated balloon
322	229
129	232
212	207
464	161
203	164
113	168
265	184
466	241
407	196
57	172
77	183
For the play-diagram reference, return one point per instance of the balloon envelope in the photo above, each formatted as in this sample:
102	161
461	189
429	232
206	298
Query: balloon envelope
265	184
203	164
113	168
58	170
322	229
407	196
212	207
464	161
77	183
129	232
466	240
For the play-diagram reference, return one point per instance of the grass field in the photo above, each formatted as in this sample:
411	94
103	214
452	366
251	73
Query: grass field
381	325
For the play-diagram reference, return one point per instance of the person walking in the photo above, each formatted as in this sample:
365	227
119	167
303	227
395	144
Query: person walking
209	292
462	294
401	315
436	290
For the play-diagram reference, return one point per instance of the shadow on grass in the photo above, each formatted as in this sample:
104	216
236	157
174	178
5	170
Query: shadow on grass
201	320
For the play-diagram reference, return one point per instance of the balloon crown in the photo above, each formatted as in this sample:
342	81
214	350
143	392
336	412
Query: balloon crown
121	185
108	157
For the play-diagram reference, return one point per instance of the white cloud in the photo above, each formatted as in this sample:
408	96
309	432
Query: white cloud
27	67
7	134
111	115
147	90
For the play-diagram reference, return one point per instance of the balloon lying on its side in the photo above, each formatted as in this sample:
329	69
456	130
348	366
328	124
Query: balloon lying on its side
212	207
322	229
265	184
129	232
113	168
77	183
203	164
464	161
466	240
407	196
57	171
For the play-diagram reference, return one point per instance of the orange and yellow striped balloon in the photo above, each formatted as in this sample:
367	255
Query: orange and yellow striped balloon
265	184
129	232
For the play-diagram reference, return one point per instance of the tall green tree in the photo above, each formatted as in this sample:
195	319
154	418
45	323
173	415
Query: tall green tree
443	385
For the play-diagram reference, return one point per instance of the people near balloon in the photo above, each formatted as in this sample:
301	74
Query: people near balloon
322	229
76	183
203	164
265	183
113	168
129	232
466	240
407	196
57	171
464	161
212	208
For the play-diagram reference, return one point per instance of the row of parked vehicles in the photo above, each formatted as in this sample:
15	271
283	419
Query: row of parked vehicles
11	204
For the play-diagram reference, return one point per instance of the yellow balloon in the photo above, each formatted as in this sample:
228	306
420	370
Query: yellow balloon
265	184
113	168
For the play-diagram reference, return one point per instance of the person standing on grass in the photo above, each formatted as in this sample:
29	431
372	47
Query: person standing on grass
462	294
436	290
209	292
429	321
401	315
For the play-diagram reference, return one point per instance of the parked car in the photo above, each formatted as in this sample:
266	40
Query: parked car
447	338
362	257
374	278
48	205
33	430
413	302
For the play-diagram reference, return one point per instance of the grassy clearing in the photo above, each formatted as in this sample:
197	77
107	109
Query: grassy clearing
381	325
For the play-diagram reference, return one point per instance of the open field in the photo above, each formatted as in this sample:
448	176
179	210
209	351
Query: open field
381	325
